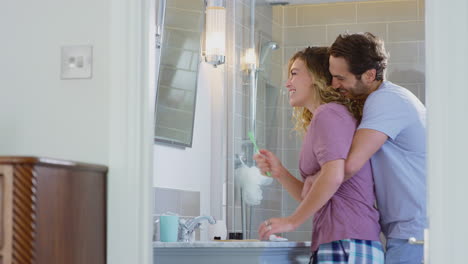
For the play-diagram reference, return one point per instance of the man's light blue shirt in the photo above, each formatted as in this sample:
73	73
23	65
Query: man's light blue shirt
399	166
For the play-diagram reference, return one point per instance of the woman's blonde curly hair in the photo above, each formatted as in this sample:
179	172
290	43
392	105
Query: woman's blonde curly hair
316	60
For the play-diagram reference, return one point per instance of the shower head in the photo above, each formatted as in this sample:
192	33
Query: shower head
266	49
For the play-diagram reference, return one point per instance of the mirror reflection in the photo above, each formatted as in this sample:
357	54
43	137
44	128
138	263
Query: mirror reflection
182	24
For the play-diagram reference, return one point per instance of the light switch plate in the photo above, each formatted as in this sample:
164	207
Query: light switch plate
77	62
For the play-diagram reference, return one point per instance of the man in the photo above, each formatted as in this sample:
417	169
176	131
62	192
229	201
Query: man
391	134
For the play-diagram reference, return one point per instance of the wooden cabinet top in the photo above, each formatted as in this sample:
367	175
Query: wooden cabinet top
50	162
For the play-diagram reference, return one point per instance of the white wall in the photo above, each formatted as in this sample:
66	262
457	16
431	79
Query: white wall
105	120
446	67
39	113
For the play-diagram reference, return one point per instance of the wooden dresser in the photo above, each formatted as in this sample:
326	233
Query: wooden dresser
52	211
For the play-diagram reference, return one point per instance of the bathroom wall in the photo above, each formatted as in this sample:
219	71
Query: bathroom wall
400	23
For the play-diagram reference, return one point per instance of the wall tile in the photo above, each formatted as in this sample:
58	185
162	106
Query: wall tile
272	96
174	134
288	53
182	39
390	11
406	31
174	118
403	52
272	139
263	9
406	73
233	223
260	134
176	18
276	79
313	34
242	13
238	103
261	215
261	111
238	126
277	14
290	16
422	93
378	29
421	9
166	200
291	159
289	139
189	5
189	203
276	56
239	11
271	199
326	14
178	58
412	87
288	123
176	98
289	203
177	79
422	52
277	35
263	25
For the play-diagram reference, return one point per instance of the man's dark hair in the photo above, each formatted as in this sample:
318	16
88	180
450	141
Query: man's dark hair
362	52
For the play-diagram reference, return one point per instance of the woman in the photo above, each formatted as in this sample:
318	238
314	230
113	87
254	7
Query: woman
345	224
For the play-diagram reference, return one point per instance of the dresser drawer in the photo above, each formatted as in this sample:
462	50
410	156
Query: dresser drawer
52	211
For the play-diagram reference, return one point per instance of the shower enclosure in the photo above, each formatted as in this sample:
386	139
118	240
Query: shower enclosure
260	105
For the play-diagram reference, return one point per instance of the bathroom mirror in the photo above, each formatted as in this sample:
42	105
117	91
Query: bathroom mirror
178	38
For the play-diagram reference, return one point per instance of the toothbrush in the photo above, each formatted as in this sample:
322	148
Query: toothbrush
252	138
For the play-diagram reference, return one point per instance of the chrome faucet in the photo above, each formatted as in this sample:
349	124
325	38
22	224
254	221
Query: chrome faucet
187	227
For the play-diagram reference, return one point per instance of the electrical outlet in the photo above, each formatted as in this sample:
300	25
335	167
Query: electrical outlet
77	62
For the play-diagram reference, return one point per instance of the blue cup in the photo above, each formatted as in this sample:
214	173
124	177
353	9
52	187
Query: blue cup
169	228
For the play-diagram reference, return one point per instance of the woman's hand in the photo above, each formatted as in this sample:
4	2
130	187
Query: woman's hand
275	225
268	162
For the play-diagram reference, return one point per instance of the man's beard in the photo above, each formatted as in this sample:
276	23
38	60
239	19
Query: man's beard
359	91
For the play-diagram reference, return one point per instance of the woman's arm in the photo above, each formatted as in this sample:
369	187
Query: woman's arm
292	185
324	187
309	181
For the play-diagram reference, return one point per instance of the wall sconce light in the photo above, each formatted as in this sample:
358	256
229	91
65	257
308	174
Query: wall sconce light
215	42
250	59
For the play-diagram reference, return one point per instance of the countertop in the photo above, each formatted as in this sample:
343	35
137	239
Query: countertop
232	244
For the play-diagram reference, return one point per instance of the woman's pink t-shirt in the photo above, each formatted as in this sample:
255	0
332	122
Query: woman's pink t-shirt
350	213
